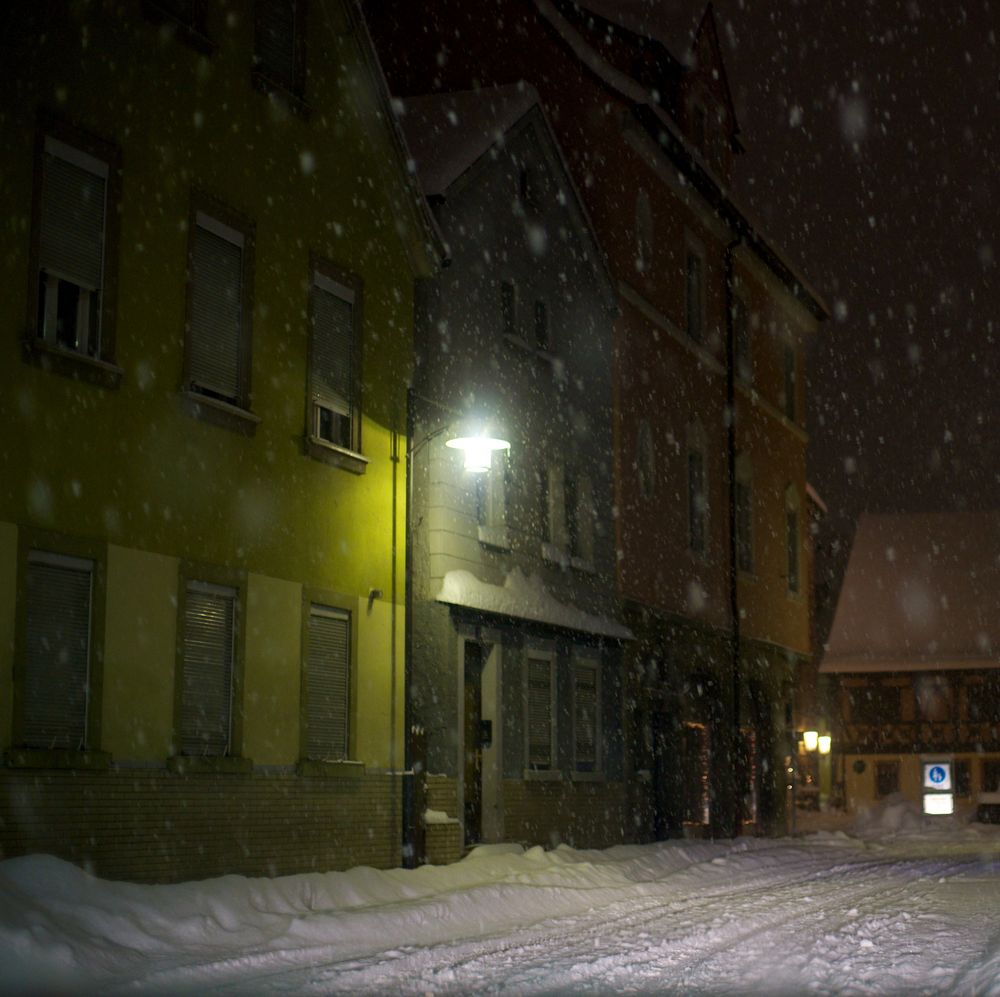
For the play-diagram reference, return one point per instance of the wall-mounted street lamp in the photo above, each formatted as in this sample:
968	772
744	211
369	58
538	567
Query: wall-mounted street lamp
477	450
812	740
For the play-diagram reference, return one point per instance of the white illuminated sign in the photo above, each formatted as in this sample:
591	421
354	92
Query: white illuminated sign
939	803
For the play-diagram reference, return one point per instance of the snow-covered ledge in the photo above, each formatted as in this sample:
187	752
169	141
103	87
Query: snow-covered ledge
526	598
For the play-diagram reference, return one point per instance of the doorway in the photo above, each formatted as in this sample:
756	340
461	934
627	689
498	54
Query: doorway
472	740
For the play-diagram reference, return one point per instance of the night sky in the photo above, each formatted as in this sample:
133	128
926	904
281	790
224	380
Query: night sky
872	141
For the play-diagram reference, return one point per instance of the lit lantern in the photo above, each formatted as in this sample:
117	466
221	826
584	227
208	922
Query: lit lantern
477	450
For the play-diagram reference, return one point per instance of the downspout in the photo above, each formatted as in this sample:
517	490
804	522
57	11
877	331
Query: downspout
393	613
736	756
410	857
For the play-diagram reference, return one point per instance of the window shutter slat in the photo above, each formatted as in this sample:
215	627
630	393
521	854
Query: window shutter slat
58	655
206	708
586	716
216	314
539	714
328	683
333	348
72	225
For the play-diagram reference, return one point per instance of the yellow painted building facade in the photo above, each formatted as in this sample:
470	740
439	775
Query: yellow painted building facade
130	455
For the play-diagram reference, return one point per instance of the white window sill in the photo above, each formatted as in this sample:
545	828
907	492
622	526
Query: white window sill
542	775
74	364
555	554
583	564
222	413
329	453
494	536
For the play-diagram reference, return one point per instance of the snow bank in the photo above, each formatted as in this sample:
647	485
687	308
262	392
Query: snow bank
895	813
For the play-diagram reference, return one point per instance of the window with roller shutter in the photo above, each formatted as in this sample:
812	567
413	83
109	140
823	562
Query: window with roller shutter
73	250
333	432
586	715
208	663
279	43
327	684
57	652
540	710
217	354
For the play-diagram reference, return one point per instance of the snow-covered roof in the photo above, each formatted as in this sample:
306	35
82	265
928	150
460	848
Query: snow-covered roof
448	132
524	597
921	592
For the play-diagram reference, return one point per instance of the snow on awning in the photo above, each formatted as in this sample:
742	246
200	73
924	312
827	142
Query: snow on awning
524	597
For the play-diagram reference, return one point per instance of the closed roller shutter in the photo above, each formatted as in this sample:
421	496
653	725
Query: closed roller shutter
216	311
328	675
209	646
57	651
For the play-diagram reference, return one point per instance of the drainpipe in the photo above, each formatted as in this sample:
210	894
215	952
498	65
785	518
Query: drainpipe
410	857
734	599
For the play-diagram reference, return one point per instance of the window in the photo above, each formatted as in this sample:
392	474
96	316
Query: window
963	778
508	308
643	232
491	502
934	698
74	244
217	356
697	503
645	461
694	295
208	656
874	705
699	126
327	685
542	326
790	382
335	359
586	715
792	540
990	781
578	494
741	341
279	44
743	494
59	595
540	719
886	778
552	506
982	699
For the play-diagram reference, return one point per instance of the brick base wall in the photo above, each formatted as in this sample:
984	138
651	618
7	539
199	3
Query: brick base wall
443	841
581	814
160	827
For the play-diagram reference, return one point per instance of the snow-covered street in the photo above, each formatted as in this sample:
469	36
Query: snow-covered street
882	910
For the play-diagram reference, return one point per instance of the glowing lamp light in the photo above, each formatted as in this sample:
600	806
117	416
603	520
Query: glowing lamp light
477	450
824	742
810	739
